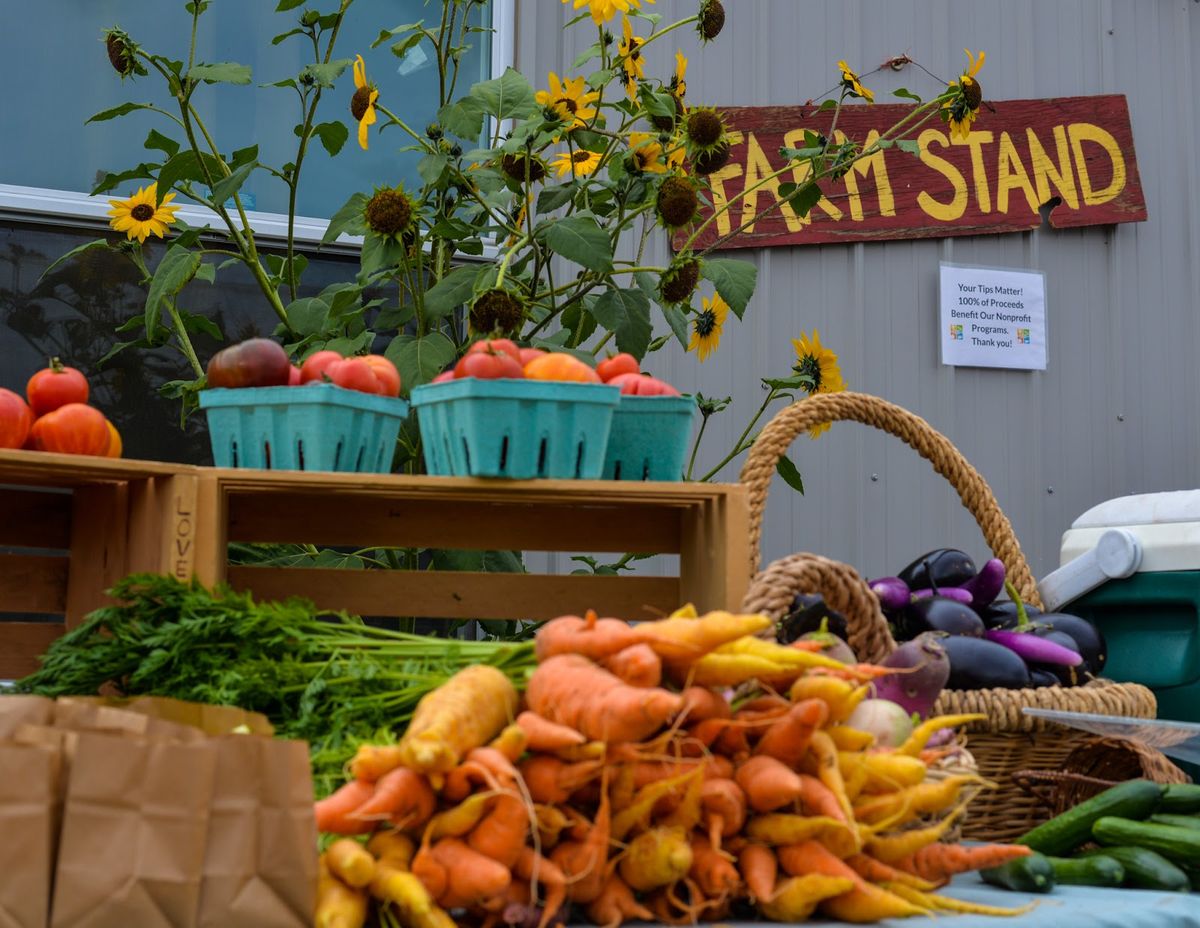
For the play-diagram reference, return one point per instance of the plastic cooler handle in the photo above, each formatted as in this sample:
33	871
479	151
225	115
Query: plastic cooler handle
1118	554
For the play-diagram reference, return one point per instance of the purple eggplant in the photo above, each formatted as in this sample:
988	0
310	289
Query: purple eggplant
1002	613
1040	677
1075	675
937	614
1086	635
941	567
978	664
893	593
986	585
808	612
956	593
1030	647
925	671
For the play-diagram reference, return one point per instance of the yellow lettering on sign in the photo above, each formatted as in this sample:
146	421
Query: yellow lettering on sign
1012	176
871	164
717	179
1081	132
1046	172
758	169
800	174
976	141
946	212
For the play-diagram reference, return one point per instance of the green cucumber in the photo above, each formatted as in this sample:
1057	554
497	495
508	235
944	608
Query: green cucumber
1180	797
1098	870
1064	833
1174	843
1179	821
1144	868
1032	874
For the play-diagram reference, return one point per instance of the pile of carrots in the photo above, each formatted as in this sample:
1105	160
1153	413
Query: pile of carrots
669	771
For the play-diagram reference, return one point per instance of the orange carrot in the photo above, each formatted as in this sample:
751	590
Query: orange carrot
457	876
875	871
939	862
511	742
582	861
371	761
829	772
550	780
818	799
482	766
636	665
723	808
589	637
768	783
866	902
548	736
401	796
573	691
541	872
645	772
759	869
701	703
616	904
501	833
333	812
788	739
712	871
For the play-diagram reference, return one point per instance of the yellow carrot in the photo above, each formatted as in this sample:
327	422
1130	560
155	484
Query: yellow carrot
947	904
907	804
392	848
350	862
678	639
923	732
797	897
338	906
850	739
656	858
828	771
841	696
460	819
780	828
885	771
891	848
511	742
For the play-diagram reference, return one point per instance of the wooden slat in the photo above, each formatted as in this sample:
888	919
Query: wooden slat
34	518
457	595
22	643
40	468
329	518
99	544
33	583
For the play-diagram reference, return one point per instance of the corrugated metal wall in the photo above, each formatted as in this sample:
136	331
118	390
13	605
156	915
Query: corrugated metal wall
1118	409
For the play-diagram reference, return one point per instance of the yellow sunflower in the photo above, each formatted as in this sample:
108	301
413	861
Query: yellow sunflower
960	110
816	361
852	84
706	329
678	85
362	104
568	99
604	10
139	216
647	152
633	65
578	163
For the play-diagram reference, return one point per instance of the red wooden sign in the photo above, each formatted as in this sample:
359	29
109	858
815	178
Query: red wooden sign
1021	155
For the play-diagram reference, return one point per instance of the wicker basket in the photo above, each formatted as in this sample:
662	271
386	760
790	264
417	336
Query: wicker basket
1007	741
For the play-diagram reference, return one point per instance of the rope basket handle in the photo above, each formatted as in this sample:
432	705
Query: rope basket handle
775	439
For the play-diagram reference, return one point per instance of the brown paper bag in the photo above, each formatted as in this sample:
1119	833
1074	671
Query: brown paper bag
84	715
133	837
260	864
29	809
212	720
21	710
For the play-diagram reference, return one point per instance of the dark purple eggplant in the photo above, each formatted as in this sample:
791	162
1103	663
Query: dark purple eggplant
1003	613
807	612
986	585
937	614
893	593
1086	635
1039	677
941	567
978	664
1066	676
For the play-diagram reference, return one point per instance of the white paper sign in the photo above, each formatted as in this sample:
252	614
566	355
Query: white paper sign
993	317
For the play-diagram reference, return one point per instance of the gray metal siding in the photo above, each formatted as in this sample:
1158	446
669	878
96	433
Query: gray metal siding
1118	409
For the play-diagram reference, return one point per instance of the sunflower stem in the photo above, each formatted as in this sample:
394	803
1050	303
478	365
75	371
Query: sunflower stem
740	445
185	341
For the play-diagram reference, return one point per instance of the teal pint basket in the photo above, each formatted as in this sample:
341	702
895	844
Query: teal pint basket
649	438
519	429
317	427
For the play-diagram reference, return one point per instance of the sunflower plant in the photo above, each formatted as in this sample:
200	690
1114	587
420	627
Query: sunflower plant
560	183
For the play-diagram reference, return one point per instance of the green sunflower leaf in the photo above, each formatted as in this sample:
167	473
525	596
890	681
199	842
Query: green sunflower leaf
580	239
509	96
464	118
325	73
226	187
308	315
111	181
627	314
420	358
802	198
551	198
733	279
121	110
677	320
332	134
791	476
380	251
287	35
285	5
909	145
77	250
221	72
451	292
905	93
348	219
178	266
156	141
200	325
387	34
186	166
432	167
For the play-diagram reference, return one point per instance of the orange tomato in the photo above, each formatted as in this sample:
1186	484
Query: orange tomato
16	419
558	365
385	373
115	446
616	365
72	429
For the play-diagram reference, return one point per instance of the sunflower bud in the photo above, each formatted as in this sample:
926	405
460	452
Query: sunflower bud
497	311
310	18
122	53
711	19
433	131
667	123
679	281
389	212
677	202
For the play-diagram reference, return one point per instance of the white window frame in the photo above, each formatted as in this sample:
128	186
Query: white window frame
74	208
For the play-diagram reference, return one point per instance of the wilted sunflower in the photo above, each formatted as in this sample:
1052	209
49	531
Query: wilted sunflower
122	53
604	10
569	100
710	20
518	166
497	310
633	65
679	281
818	363
706	329
578	163
677	88
389	212
853	85
961	109
142	215
677	202
362	104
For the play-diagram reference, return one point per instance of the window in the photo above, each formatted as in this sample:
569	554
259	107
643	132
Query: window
49	158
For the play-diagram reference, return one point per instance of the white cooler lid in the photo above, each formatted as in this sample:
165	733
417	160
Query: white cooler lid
1166	524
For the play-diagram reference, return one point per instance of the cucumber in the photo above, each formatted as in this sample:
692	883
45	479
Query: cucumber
1180	797
1179	821
1144	868
1097	870
1032	874
1131	799
1177	844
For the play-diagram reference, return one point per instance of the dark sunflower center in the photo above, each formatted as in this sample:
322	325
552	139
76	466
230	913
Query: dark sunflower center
972	92
712	20
360	102
388	212
142	212
809	366
706	323
571	105
581	156
704	128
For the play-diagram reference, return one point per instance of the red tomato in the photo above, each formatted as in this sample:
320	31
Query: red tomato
488	366
444	376
73	429
530	354
354	374
385	373
294	376
494	345
316	366
257	362
54	387
642	385
16	419
616	365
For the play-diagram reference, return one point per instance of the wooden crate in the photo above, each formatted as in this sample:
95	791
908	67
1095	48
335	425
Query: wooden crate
705	524
70	527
